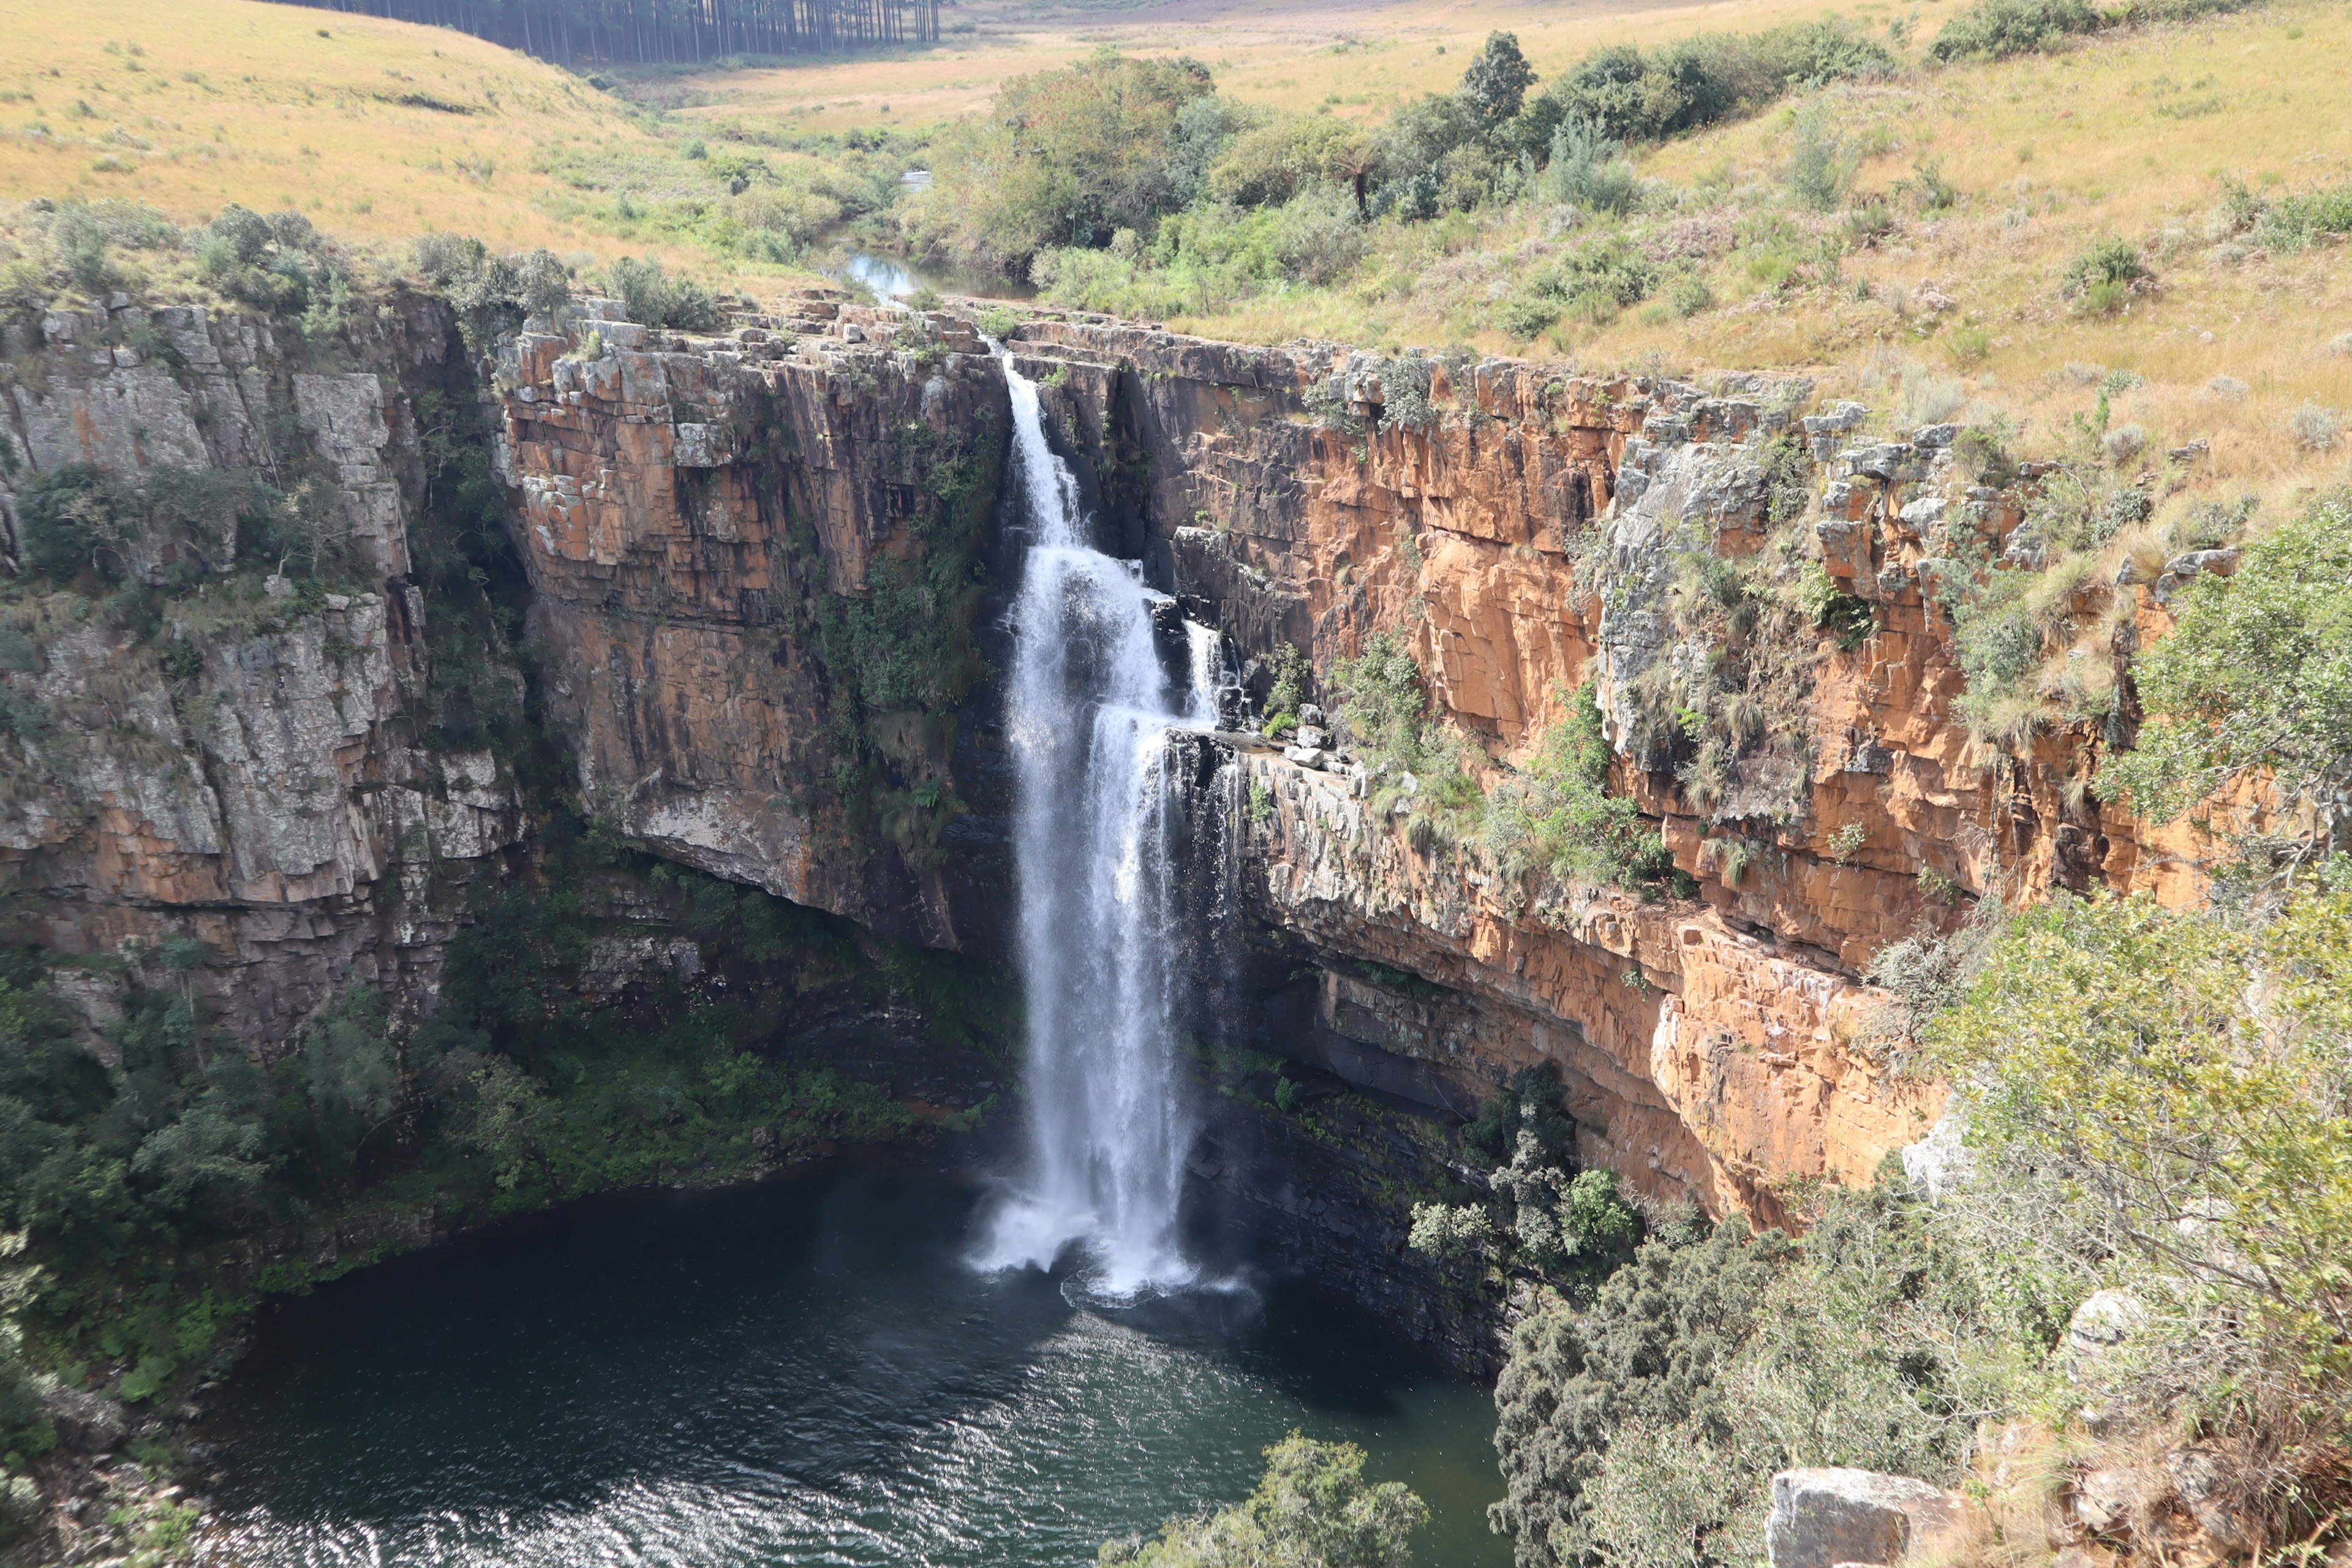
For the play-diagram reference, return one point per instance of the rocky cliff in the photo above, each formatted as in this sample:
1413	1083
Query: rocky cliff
247	762
756	621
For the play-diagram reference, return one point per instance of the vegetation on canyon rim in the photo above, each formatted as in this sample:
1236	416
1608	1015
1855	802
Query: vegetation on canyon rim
2156	1106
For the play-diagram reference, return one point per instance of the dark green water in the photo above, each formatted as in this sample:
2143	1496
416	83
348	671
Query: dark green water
800	1372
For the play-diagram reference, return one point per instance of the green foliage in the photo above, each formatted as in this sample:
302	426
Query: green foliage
1385	708
1268	163
1497	83
1574	1224
1648	1352
76	248
1818	166
1556	814
1313	1510
1623	93
1587	170
1065	157
901	656
1644	1427
463	558
1210	255
281	263
2099	277
79	524
1292	679
2189	1071
1996	29
650	295
493	294
2300	221
1848	617
2255	679
1445	1230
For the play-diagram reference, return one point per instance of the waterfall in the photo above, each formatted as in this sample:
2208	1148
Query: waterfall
1090	704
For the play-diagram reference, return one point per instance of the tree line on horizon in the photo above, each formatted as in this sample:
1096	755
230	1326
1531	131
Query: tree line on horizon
667	32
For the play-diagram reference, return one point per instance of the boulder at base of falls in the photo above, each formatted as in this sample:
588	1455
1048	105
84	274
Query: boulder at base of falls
1826	1517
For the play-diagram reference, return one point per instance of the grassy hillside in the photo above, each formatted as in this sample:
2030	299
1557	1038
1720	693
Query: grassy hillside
1360	60
1929	275
375	129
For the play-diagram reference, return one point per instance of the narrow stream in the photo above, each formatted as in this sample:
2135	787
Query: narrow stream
806	1372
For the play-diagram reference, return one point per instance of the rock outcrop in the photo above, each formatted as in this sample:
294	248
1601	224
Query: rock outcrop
697	516
250	768
1823	1517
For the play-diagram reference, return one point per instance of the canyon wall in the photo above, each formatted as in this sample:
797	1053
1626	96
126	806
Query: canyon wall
761	578
253	767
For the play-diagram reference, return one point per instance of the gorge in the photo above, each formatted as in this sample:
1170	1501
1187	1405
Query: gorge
739	709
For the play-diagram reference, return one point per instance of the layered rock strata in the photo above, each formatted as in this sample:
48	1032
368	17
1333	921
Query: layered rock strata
730	539
253	775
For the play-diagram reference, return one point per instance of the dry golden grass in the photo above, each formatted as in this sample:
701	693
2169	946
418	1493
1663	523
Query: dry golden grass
189	104
236	99
1360	61
2126	135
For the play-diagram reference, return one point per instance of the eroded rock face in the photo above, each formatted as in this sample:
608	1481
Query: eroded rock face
1522	528
1700	1061
697	517
738	545
252	773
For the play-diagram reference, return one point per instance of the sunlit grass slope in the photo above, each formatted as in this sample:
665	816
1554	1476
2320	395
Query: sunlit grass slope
1360	61
2129	135
375	128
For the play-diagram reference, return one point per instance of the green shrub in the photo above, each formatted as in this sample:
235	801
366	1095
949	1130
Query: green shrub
2188	1072
1819	167
1609	271
1587	170
1848	617
649	295
281	263
2298	222
1690	295
2255	679
1623	94
1313	1510
1647	1353
1996	29
1526	316
78	523
1556	814
2100	277
1065	158
493	294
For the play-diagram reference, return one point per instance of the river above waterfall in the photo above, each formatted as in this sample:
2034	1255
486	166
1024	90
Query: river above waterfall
803	1372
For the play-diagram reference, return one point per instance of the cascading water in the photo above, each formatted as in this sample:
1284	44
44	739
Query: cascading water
1091	703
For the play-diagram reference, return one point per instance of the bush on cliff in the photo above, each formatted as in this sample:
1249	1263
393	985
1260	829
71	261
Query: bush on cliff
1384	708
649	295
2255	681
2155	1104
1545	1213
2190	1072
1557	816
1645	1429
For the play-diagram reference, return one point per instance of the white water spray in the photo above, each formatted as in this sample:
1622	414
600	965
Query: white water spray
1090	706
